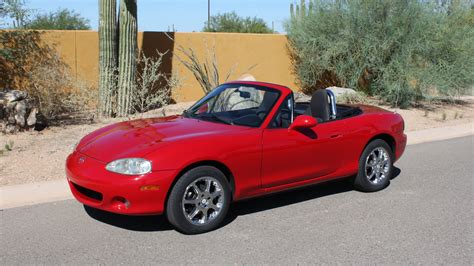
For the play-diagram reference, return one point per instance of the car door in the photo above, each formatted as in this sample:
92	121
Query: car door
296	155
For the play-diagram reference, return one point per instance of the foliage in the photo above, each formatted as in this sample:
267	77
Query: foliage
62	19
153	88
30	65
59	94
206	72
20	52
401	50
9	145
231	22
14	10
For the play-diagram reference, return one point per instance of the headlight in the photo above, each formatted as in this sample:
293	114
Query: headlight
129	166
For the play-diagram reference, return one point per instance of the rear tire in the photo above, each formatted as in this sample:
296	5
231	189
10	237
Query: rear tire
199	200
375	167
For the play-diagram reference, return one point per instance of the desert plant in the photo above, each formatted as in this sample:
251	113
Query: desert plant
107	56
205	72
127	55
153	88
20	52
30	65
9	145
59	94
444	116
398	50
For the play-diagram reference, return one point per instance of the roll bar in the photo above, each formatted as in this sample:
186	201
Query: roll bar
332	103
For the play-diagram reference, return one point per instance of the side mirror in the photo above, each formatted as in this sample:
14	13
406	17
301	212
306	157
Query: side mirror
303	121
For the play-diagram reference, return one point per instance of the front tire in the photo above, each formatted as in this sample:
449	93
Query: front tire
199	200
375	167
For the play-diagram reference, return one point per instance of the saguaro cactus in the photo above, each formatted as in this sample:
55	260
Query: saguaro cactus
107	56
127	55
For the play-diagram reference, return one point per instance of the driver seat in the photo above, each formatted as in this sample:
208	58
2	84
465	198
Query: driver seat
319	106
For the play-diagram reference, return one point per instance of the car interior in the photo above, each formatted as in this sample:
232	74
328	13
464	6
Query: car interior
249	106
322	106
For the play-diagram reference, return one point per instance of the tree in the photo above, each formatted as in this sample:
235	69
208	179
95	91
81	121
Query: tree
231	22
127	56
107	56
14	10
62	19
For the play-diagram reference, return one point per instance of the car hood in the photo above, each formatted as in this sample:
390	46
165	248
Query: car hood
137	138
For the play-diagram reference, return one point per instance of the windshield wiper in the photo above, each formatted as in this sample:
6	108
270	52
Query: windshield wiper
215	118
186	114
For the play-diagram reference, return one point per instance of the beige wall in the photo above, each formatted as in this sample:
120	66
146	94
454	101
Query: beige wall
79	49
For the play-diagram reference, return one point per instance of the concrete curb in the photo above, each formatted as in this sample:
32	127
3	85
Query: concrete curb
34	193
440	133
42	192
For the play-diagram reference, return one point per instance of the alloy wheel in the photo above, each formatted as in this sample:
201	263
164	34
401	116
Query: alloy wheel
377	165
203	200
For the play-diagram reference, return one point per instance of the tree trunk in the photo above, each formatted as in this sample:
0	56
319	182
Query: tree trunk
107	56
127	55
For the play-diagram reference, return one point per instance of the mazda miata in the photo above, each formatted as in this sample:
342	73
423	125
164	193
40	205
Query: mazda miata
243	139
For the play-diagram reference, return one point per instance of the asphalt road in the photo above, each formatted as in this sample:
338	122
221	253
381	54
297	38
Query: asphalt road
425	216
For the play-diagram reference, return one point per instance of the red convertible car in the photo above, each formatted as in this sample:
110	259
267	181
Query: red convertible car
242	140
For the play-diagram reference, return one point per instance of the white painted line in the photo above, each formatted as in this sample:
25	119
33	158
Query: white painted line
42	192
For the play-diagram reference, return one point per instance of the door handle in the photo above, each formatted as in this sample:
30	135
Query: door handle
336	136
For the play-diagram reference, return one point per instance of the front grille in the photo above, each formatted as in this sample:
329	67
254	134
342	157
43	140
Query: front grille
88	192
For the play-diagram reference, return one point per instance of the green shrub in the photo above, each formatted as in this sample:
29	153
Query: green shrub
399	50
231	22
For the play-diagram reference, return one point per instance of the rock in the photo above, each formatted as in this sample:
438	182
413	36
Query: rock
301	97
20	113
338	91
17	111
246	77
31	120
10	129
11	119
12	96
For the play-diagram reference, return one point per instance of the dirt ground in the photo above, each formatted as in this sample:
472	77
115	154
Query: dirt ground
40	156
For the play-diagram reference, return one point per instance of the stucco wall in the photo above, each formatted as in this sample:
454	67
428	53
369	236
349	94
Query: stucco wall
79	49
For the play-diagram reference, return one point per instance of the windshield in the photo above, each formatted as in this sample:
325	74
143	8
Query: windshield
235	104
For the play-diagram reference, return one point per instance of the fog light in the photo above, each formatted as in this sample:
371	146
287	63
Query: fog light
149	187
120	203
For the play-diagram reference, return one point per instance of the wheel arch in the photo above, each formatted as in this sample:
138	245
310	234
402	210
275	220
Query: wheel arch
389	139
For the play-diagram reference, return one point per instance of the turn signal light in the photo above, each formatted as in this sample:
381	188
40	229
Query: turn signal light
149	187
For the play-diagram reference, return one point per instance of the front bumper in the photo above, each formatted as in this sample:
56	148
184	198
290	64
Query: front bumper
94	186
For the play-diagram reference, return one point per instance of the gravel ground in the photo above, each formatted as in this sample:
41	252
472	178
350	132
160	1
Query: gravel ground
40	156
